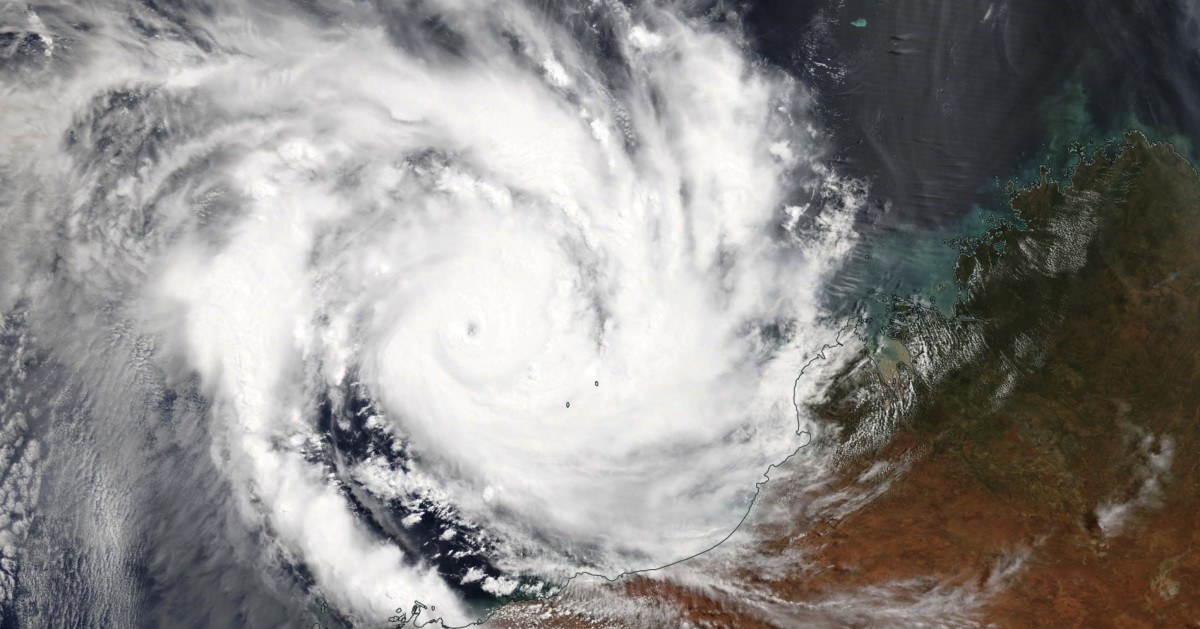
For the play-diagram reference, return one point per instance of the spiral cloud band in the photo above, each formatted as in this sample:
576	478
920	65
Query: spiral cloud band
480	295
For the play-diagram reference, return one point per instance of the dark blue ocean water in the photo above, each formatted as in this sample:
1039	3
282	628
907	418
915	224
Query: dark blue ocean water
939	104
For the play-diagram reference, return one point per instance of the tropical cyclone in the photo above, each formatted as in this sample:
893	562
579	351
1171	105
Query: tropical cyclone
435	238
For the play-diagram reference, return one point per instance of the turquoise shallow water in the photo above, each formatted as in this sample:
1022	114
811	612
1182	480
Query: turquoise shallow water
938	106
915	263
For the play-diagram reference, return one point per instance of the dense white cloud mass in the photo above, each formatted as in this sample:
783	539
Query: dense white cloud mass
467	276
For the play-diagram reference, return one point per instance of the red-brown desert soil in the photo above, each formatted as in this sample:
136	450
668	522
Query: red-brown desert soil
1089	372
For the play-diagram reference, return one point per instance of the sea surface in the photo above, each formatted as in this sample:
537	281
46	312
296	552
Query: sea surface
939	105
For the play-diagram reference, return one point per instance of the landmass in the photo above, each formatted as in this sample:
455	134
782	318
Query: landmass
1037	446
